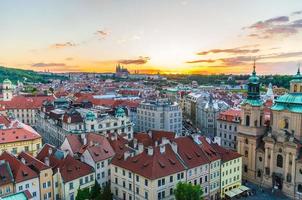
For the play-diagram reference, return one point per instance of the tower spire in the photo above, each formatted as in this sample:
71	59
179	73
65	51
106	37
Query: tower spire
254	67
298	72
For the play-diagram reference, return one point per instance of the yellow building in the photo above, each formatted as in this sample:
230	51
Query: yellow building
16	137
45	174
231	170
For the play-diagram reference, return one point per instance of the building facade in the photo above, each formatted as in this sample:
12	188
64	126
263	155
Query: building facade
159	115
227	125
271	155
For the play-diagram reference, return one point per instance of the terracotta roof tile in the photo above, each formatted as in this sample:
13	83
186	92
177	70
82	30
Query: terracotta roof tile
20	171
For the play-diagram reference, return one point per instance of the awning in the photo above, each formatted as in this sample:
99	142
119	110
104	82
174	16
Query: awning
230	194
236	191
243	188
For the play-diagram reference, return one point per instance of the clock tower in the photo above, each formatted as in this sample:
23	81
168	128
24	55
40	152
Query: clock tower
251	128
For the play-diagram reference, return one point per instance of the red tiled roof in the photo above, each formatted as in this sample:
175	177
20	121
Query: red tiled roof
26	102
190	152
156	136
17	134
69	167
33	162
6	176
97	145
75	117
4	120
226	154
229	115
20	171
151	166
119	144
208	149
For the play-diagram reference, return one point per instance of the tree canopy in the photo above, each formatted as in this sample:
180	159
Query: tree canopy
187	191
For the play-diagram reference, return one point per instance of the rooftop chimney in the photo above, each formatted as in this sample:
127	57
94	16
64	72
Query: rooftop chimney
150	151
150	133
140	148
162	148
84	139
135	143
164	140
174	147
126	155
49	151
46	161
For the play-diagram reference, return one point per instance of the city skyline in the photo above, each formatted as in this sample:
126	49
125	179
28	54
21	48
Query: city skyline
172	36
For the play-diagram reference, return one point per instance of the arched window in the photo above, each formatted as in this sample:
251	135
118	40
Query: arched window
247	120
246	153
286	123
259	173
295	88
300	188
279	161
300	88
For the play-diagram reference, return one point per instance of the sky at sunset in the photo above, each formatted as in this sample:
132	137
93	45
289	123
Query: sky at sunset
166	36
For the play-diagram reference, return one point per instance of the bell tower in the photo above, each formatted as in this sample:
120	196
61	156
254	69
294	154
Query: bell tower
251	128
7	90
296	83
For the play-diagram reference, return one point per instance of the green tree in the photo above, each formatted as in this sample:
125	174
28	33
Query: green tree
187	191
106	193
83	194
95	191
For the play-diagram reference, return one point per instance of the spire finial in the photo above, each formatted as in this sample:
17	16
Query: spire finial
254	67
298	72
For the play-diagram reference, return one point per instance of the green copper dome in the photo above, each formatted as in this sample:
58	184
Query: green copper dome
253	92
297	77
291	102
254	78
120	112
7	81
90	116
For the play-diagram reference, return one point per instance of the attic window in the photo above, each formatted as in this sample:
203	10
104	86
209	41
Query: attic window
197	154
146	164
106	151
188	156
24	173
162	165
135	160
96	154
120	157
69	169
171	161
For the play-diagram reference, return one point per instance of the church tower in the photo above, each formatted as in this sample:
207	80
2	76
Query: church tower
251	128
7	90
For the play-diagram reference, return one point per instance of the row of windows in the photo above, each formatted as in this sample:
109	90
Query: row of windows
230	127
230	180
230	171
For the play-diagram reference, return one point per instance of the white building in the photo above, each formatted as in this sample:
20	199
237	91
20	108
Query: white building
159	114
94	150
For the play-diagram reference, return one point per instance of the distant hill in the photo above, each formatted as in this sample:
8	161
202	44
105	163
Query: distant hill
29	75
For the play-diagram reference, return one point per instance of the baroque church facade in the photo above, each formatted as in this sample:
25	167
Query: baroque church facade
272	152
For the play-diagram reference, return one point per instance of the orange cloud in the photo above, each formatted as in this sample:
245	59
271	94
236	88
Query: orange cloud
140	61
63	45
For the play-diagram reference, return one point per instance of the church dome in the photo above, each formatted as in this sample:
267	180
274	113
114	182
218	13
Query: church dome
254	78
90	116
120	112
7	81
